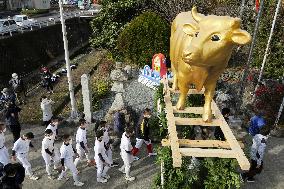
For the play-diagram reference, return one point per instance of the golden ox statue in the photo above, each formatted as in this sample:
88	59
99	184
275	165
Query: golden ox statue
200	48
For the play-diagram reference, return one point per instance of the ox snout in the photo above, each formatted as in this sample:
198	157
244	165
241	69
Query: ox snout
189	57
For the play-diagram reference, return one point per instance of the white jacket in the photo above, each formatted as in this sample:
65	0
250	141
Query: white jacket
46	109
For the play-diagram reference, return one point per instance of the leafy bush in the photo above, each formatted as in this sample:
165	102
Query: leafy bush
31	12
271	92
211	173
111	20
145	36
273	67
221	173
102	88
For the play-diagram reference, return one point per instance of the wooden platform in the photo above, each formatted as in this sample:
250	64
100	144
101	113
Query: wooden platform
230	148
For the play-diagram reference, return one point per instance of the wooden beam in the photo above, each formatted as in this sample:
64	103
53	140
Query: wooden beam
199	152
176	155
190	91
190	110
201	143
240	156
196	121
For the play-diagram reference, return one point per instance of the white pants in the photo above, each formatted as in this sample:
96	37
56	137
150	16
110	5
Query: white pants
127	160
47	159
23	158
81	153
4	156
102	169
140	141
109	155
69	164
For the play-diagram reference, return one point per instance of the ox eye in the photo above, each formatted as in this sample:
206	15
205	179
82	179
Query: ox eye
215	38
196	34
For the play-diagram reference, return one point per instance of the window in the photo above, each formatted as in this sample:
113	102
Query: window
25	18
12	22
6	23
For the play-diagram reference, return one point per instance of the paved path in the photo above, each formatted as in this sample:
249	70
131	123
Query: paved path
272	176
144	169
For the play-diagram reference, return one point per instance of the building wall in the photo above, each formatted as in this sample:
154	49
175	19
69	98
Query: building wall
41	4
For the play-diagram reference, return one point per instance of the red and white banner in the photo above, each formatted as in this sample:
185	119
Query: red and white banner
257	3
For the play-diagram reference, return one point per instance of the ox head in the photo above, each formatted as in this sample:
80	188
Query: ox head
213	38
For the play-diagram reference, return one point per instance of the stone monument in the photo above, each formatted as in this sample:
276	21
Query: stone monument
87	97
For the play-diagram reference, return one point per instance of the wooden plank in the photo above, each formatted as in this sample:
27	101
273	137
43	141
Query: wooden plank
190	110
199	152
196	121
201	143
176	155
190	91
240	156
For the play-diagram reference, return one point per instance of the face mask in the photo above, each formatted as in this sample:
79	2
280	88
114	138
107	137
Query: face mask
70	141
49	137
4	130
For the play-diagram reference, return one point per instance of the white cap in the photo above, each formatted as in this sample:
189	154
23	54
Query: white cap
14	75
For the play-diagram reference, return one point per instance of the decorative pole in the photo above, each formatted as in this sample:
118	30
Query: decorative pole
162	174
279	113
74	113
267	47
243	80
242	9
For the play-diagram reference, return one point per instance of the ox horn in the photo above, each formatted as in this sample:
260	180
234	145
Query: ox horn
196	16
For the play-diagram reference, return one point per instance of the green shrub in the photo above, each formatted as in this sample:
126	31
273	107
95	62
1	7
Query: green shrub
111	20
102	88
31	12
145	36
221	173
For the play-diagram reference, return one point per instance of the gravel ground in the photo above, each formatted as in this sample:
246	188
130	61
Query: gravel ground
136	95
272	176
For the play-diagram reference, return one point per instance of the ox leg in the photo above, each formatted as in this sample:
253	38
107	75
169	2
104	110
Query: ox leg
175	84
209	93
183	87
175	79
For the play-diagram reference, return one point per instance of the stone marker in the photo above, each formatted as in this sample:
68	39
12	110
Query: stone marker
87	97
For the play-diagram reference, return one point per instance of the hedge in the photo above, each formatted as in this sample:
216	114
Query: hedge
145	36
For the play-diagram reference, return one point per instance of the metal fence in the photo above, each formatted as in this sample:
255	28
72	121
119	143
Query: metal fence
44	23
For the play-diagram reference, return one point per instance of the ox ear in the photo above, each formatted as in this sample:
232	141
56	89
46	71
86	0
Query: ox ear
190	28
241	37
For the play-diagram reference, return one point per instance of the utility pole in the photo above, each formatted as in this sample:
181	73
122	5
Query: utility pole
267	46
247	65
74	113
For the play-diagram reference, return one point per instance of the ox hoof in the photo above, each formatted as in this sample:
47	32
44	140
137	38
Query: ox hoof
175	87
207	117
180	106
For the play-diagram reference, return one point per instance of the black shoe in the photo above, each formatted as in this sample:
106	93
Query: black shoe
242	178
250	180
114	164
